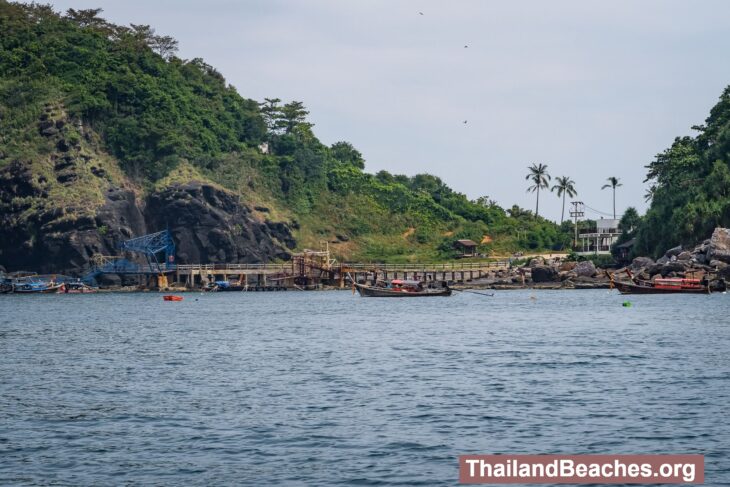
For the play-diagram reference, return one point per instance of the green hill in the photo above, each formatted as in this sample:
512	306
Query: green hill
690	186
100	124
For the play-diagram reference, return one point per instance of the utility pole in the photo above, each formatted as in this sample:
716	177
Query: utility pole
576	212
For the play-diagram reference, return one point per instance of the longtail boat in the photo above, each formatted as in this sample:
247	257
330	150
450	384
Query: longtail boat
666	285
37	287
398	288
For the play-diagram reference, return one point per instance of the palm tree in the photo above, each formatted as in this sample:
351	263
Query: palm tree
649	195
565	186
539	176
613	184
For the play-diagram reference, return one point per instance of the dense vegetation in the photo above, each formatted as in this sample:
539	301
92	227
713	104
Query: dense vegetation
690	186
165	120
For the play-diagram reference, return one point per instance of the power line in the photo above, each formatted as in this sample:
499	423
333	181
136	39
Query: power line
600	212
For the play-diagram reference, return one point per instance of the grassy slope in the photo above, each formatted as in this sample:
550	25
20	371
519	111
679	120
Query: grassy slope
149	122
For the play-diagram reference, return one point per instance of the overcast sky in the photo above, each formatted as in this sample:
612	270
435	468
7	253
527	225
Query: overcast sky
591	88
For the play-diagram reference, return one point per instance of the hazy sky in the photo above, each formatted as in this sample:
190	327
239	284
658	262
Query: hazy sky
590	88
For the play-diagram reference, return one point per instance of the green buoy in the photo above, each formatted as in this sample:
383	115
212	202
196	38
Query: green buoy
626	304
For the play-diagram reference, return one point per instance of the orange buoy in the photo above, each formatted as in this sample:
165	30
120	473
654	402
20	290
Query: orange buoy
170	297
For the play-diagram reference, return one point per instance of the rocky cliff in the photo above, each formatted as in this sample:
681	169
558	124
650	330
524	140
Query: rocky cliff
59	209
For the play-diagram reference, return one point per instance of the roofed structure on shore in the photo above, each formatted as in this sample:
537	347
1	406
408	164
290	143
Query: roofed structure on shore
468	248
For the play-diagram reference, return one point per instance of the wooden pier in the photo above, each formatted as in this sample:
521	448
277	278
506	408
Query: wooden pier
311	271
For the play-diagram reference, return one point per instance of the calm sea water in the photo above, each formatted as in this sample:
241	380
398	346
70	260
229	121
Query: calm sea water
332	389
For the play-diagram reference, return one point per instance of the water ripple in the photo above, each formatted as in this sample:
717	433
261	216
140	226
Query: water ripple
331	389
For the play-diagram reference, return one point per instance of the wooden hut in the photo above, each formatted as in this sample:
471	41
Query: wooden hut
466	247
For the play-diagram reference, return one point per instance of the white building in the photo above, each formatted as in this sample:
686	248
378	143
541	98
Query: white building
599	240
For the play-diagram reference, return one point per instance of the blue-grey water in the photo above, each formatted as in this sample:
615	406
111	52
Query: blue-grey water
328	388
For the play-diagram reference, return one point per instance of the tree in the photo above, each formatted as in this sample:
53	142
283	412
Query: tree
539	176
292	115
613	183
485	202
629	223
165	46
565	186
87	17
143	33
271	111
347	154
650	192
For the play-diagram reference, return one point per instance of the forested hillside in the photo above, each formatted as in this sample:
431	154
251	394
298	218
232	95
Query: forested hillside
690	186
101	124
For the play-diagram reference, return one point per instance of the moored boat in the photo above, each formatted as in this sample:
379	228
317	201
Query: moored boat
78	287
400	289
667	285
37	287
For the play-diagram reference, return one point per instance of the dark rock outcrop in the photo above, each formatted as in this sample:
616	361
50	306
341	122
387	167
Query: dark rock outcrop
543	273
210	225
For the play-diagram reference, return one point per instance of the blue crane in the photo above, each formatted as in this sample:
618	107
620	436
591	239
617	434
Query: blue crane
150	246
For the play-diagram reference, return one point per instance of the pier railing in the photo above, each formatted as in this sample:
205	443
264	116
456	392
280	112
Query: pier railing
440	266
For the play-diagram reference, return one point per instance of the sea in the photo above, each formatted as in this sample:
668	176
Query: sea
328	388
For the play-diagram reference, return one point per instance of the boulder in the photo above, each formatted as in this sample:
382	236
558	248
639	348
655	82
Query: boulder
719	247
684	256
543	273
674	266
567	266
641	262
585	269
718	264
674	251
565	275
655	269
536	261
662	260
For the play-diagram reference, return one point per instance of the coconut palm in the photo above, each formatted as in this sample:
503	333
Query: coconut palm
649	195
539	176
565	186
613	183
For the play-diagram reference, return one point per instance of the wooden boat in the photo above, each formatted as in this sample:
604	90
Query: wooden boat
170	297
400	289
668	285
37	287
78	288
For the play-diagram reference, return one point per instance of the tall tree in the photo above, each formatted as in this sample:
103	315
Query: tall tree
292	115
629	222
86	18
271	111
613	183
539	176
165	46
565	186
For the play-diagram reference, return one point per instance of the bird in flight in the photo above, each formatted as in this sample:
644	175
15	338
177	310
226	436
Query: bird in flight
465	47
464	121
420	13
